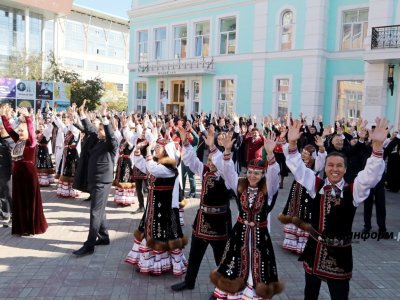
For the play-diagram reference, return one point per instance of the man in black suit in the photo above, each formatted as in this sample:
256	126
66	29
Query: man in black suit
100	177
88	142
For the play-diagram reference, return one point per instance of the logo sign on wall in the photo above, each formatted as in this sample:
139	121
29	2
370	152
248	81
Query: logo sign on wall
26	89
7	87
44	90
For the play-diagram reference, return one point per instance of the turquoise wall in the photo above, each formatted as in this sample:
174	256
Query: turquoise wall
207	93
391	100
336	68
282	68
334	30
275	9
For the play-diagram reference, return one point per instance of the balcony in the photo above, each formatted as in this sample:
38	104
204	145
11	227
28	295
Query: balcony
385	37
175	67
385	45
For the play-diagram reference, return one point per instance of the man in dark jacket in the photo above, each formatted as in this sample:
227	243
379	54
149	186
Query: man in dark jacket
100	176
90	139
6	145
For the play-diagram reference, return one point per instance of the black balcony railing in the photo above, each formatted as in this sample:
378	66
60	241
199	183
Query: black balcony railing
385	37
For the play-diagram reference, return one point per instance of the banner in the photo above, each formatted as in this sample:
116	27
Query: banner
62	91
44	90
26	89
7	87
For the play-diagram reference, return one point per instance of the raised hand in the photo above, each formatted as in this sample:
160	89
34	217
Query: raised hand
228	142
327	131
182	133
24	111
379	135
270	142
294	132
319	141
209	140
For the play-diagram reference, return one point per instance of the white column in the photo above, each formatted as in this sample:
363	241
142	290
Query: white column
375	91
27	31
313	71
259	45
375	84
55	36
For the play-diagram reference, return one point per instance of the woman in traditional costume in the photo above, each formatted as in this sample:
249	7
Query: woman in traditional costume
27	211
248	268
298	206
159	239
44	165
125	188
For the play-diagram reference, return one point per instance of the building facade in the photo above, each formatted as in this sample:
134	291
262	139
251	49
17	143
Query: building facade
264	57
90	42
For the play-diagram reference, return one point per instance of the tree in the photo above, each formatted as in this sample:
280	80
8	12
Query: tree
91	89
24	66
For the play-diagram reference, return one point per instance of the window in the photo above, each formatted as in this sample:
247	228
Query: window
160	43
141	90
180	41
354	29
74	36
286	30
97	41
74	63
226	95
35	33
283	97
196	97
143	41
227	36
120	87
349	99
202	39
103	67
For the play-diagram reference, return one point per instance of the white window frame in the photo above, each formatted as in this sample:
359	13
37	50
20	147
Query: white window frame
143	100
165	56
335	95
138	44
193	24
218	35
275	93
191	91
281	30
339	24
342	23
216	86
278	24
187	40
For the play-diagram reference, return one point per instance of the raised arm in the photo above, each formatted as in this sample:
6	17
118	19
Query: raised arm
372	173
189	156
301	173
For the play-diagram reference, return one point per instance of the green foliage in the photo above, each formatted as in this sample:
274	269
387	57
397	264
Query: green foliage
119	105
23	66
91	89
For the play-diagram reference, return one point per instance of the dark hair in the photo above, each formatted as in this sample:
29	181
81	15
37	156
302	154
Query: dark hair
335	153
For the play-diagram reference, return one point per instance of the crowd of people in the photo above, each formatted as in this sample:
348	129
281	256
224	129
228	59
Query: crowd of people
335	169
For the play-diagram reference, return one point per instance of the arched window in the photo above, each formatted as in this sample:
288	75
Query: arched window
287	30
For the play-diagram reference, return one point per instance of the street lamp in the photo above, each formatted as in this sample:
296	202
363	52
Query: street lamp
390	79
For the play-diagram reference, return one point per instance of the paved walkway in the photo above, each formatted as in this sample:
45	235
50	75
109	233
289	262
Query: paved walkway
43	267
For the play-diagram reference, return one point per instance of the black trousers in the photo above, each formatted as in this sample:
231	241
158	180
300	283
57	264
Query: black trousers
98	222
377	194
338	288
139	191
198	247
5	193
